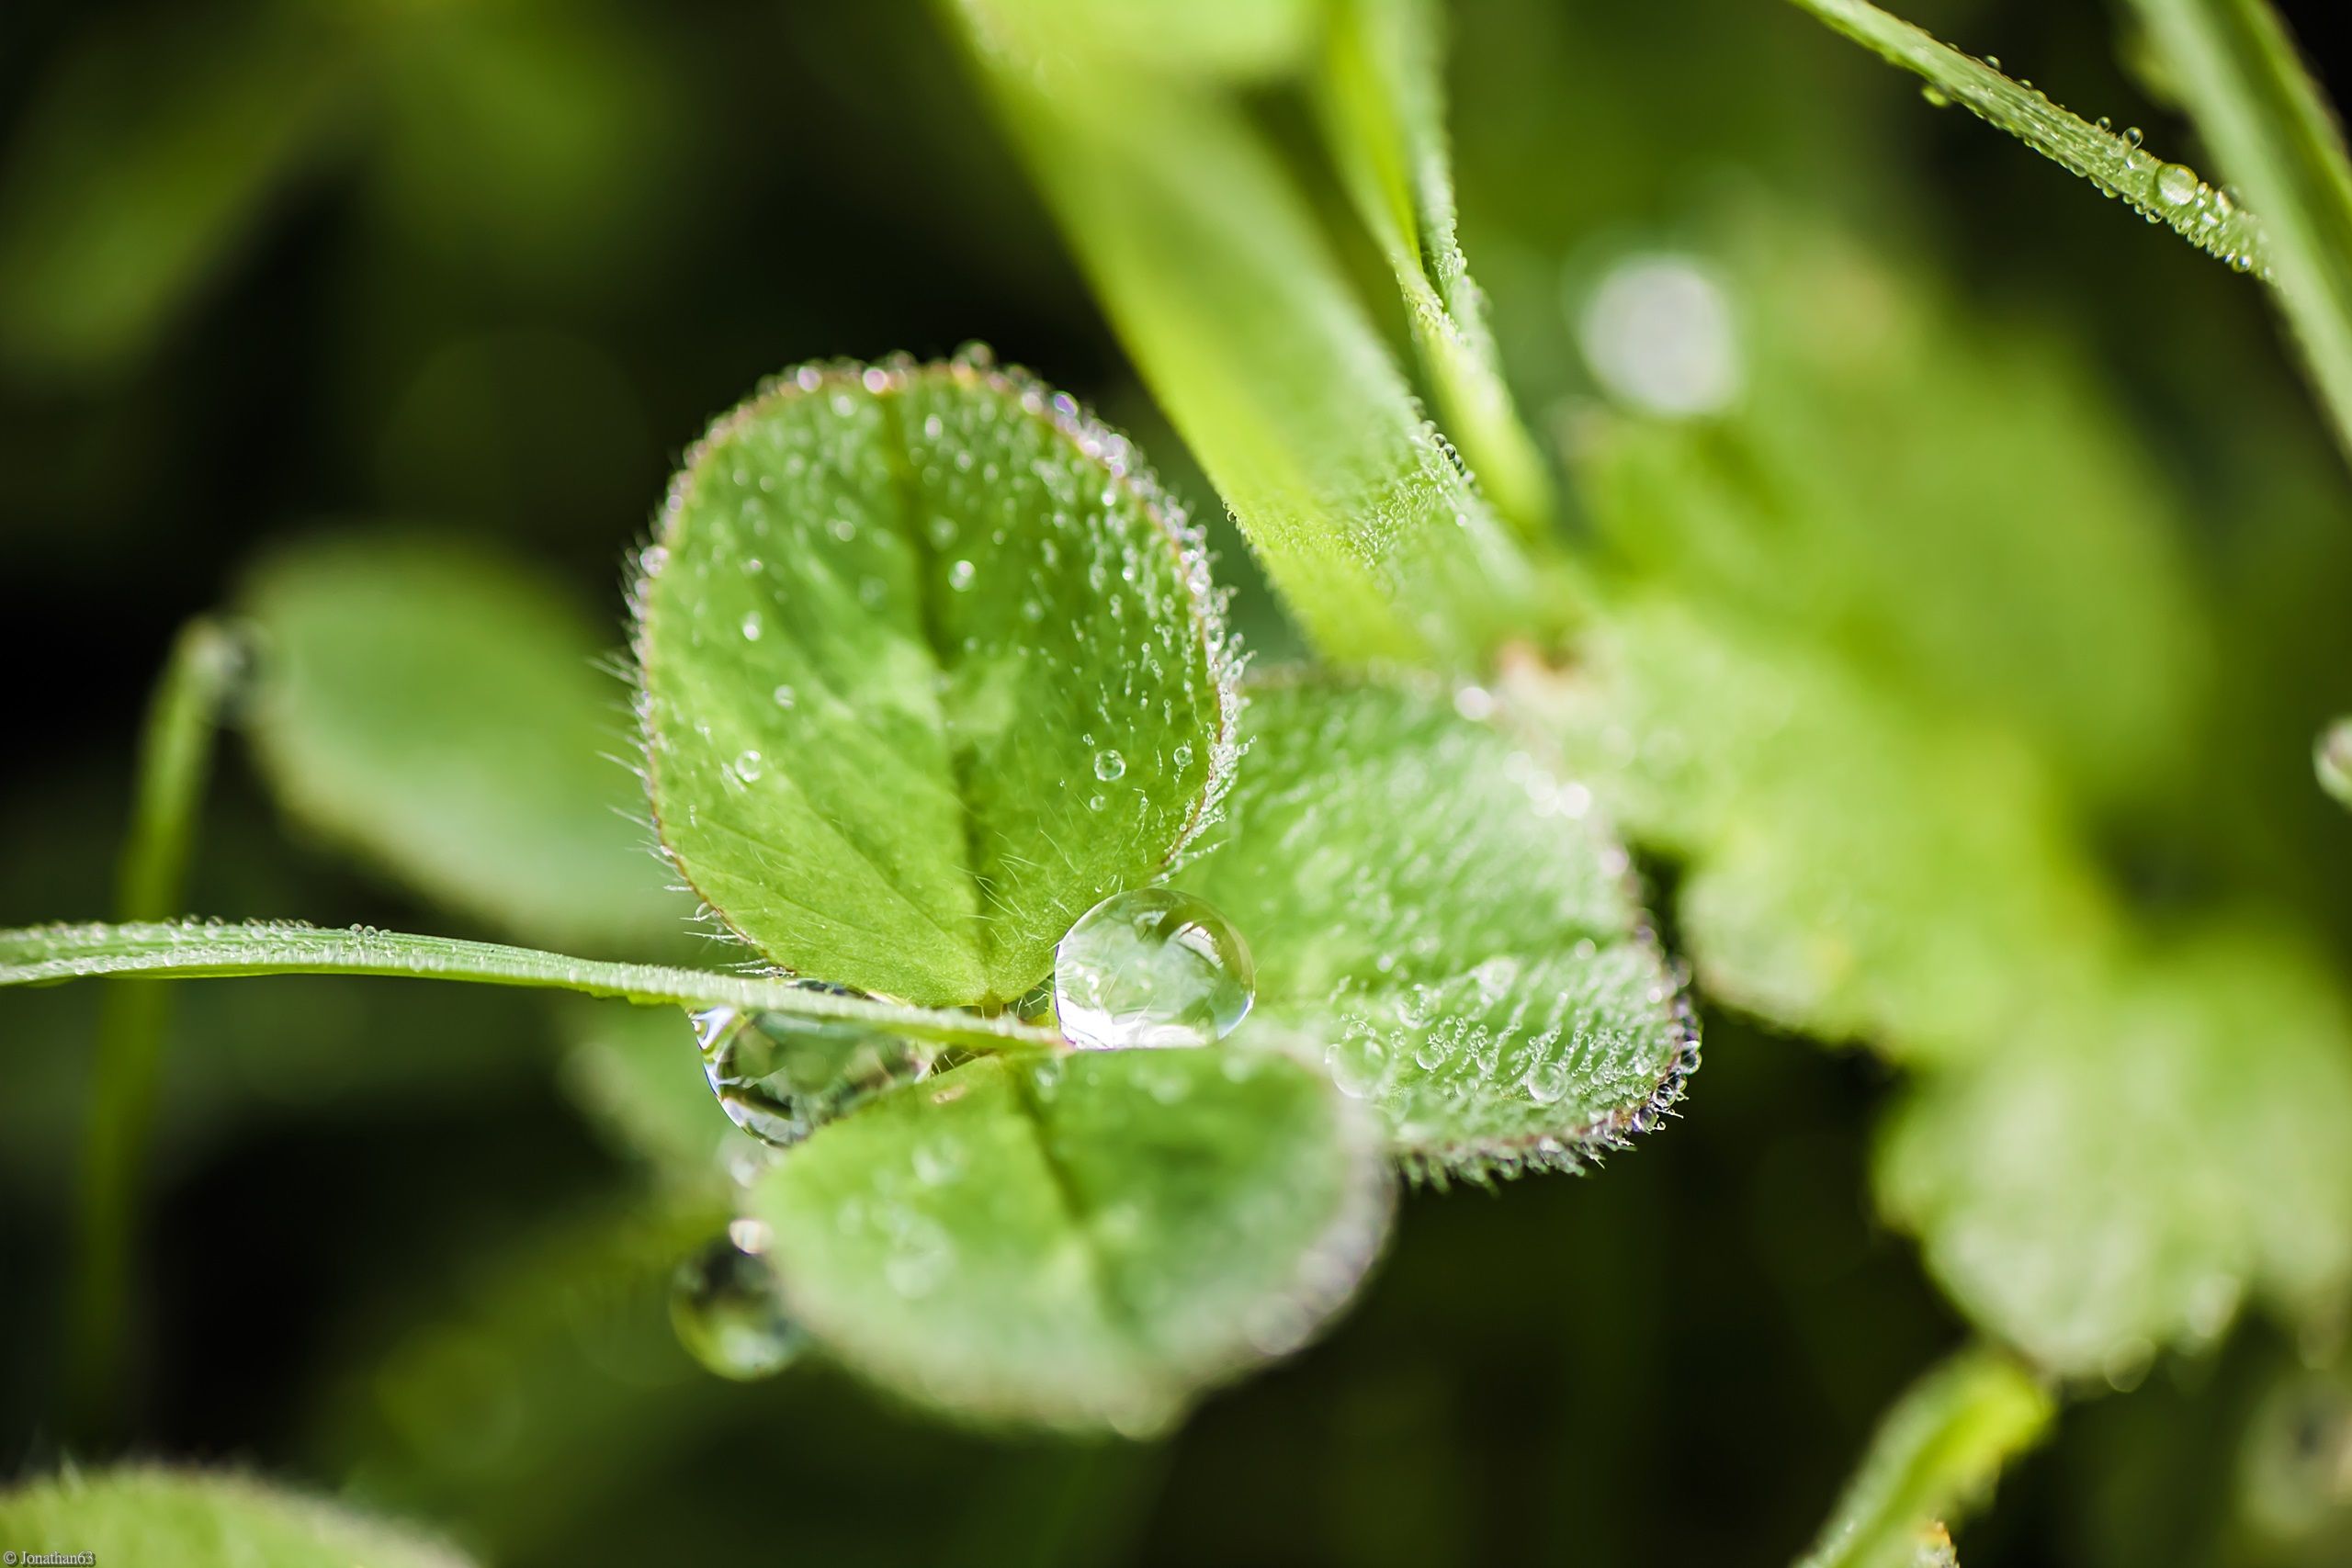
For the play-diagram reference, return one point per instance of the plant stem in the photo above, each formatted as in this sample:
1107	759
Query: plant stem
188	950
2171	194
2272	131
174	758
1937	1452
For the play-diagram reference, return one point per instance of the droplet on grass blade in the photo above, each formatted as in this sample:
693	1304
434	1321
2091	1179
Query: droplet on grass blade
780	1078
726	1306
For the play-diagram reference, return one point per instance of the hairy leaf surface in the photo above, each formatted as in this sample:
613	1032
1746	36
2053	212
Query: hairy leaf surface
1083	1242
929	667
1442	920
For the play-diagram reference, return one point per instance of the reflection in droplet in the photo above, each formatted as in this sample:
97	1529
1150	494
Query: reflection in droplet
780	1077
726	1305
1152	968
1109	766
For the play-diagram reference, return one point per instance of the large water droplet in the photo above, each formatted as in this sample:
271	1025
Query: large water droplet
1153	968
780	1077
2332	760
727	1308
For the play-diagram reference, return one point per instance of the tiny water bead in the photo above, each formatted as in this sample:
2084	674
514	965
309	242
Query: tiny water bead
1109	766
726	1306
1152	968
2332	760
780	1077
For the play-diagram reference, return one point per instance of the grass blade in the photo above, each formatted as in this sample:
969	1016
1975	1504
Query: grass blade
1382	101
175	760
40	956
2171	194
2273	132
1938	1450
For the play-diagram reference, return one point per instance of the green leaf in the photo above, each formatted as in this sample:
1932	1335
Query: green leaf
930	667
1384	114
1233	38
148	157
196	1521
2171	194
1441	920
637	1075
1080	1243
435	708
2149	1154
42	956
1937	1452
2275	133
1209	261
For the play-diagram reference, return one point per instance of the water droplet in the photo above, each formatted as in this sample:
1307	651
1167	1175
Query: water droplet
1658	333
1937	97
749	766
1152	968
726	1305
780	1077
752	626
784	697
2332	759
960	575
2178	187
1109	766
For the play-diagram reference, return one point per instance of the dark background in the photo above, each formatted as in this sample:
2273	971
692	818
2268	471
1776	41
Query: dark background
500	291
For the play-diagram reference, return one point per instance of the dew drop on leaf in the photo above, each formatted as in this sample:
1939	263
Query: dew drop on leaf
1152	968
2176	186
960	575
780	1077
1109	766
726	1306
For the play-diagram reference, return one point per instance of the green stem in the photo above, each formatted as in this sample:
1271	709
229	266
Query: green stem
2273	131
2168	193
188	950
1937	1452
174	758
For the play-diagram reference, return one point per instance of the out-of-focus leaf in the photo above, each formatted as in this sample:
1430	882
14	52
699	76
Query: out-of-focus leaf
637	1075
1936	1453
436	709
1384	112
145	162
2146	1155
1082	1243
930	667
195	1519
1240	38
1854	868
1210	266
1435	916
2274	134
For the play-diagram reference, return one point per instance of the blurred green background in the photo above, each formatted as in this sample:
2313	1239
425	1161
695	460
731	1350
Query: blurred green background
488	264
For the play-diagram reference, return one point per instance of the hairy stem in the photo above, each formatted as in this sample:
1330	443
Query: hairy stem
174	758
188	950
2171	194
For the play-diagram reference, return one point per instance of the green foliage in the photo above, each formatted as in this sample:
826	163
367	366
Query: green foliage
1384	112
435	708
2137	1159
1936	1453
2163	193
1083	1241
929	667
1208	258
1438	919
2275	133
198	1520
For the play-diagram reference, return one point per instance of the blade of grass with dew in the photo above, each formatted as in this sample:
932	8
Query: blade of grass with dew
2171	194
1937	1453
1207	260
2273	132
1381	98
37	955
175	760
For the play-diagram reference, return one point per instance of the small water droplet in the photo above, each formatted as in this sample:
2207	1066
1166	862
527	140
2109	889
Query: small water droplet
2176	186
2332	760
780	1077
753	628
1937	97
960	575
1152	968
749	766
784	697
726	1305
1109	766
